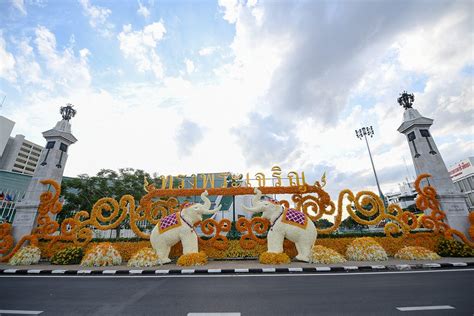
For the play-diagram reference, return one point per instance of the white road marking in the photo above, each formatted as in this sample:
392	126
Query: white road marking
431	265
213	314
34	271
19	312
162	271
84	272
459	264
351	268
10	271
377	267
109	271
323	269
295	269
214	270
241	270
423	308
135	271
268	270
187	271
58	271
260	275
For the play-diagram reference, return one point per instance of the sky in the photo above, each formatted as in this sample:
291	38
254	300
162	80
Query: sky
183	87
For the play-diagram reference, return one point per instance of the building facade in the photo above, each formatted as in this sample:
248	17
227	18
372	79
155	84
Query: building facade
462	174
17	154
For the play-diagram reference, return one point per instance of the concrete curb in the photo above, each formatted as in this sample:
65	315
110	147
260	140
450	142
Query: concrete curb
296	270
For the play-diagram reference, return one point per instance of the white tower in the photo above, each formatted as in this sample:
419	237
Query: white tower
427	159
51	166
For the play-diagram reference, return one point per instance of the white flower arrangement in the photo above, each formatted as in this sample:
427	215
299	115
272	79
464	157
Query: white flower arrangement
26	256
145	257
365	249
416	253
102	255
321	254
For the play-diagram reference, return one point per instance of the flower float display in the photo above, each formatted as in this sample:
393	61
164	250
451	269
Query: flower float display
192	259
26	256
179	226
145	257
101	255
274	258
365	249
70	255
326	255
284	223
416	253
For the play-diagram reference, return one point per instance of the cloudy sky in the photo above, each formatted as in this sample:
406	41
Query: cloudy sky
180	87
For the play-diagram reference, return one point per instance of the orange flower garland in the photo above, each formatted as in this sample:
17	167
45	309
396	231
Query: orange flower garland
274	258
193	259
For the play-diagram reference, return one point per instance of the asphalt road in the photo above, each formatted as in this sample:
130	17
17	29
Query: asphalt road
324	294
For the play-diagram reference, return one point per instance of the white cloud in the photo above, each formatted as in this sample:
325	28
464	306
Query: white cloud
143	10
231	9
206	51
19	5
98	17
140	46
65	69
189	66
28	68
7	61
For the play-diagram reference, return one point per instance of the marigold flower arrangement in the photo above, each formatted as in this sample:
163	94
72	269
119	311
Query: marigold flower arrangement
365	249
193	259
26	256
145	257
103	254
416	253
274	258
321	254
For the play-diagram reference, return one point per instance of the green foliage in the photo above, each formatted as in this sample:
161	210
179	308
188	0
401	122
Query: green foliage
70	255
323	223
453	248
82	192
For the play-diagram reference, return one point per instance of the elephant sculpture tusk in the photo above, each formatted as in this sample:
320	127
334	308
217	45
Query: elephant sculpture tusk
207	202
257	197
251	209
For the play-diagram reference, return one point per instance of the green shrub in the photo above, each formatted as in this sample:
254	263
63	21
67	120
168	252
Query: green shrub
70	255
453	248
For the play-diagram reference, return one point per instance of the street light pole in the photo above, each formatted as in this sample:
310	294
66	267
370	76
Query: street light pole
364	132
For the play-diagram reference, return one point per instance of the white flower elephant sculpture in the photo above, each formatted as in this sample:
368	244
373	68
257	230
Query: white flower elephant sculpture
285	223
179	226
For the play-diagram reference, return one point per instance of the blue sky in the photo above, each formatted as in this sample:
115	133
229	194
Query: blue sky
179	87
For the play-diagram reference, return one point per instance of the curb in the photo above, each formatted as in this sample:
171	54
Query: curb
342	269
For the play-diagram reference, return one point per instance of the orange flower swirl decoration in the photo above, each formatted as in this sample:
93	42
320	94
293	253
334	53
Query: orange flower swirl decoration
427	199
49	203
258	224
213	227
151	212
318	205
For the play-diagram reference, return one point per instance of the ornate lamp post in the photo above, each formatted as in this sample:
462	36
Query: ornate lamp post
363	133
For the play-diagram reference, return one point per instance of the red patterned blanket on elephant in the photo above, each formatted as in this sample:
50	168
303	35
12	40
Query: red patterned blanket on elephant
294	217
168	222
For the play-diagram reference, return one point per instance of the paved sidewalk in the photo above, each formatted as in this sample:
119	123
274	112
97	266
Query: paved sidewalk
242	266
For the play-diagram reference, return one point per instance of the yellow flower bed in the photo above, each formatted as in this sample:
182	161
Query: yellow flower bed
416	253
365	249
145	257
104	254
321	254
129	248
193	259
26	256
274	258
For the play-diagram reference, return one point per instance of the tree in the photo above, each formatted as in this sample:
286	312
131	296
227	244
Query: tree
323	223
83	192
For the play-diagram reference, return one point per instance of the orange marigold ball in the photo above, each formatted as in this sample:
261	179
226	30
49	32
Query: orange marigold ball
274	258
193	259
